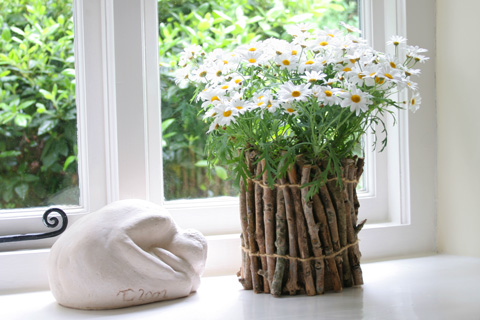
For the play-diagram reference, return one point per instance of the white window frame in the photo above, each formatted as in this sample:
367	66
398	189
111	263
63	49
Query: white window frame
119	91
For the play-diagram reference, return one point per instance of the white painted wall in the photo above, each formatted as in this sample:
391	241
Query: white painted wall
458	103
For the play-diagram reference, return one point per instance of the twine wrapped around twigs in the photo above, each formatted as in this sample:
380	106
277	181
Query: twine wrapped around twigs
293	243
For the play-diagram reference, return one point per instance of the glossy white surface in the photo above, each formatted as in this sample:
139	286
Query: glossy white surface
433	287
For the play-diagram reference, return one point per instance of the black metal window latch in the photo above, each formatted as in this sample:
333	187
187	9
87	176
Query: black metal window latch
50	222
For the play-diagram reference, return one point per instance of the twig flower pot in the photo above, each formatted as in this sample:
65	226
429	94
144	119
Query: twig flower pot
295	244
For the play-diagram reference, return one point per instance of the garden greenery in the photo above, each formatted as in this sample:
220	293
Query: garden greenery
37	102
314	96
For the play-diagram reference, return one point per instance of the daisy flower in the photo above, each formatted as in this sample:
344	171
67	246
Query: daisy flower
356	99
225	114
415	102
313	76
350	28
252	58
328	96
240	105
396	40
211	96
291	92
299	29
287	61
289	108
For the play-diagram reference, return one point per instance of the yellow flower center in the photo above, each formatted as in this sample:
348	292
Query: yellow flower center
214	98
224	87
353	60
312	80
360	76
413	101
252	60
260	103
213	114
294	52
286	62
296	93
331	35
309	62
269	105
393	65
219	73
225	62
237	81
260	97
239	107
252	49
346	69
379	80
227	113
328	93
356	98
290	110
388	75
324	43
202	74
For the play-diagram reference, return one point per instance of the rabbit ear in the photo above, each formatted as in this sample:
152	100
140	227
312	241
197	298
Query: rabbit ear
130	252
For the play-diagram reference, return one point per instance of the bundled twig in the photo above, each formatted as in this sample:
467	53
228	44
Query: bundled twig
300	243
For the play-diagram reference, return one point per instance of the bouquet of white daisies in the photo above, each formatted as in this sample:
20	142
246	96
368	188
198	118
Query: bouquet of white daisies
313	96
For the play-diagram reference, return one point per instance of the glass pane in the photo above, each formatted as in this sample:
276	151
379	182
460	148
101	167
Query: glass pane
219	24
38	128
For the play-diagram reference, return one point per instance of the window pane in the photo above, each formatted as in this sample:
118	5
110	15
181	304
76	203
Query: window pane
38	128
218	24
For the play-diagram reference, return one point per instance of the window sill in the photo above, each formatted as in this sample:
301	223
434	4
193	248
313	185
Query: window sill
427	287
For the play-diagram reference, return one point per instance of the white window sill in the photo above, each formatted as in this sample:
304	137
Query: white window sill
431	287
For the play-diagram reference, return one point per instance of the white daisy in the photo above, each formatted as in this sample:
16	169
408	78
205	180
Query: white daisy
291	92
356	99
313	76
415	102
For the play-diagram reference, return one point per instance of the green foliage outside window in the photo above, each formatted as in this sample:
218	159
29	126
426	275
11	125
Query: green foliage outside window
37	103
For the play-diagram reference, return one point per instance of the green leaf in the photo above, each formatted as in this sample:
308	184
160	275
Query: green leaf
204	25
167	123
22	120
47	126
47	95
221	172
221	14
6	154
17	30
26	104
22	190
6	35
201	163
68	162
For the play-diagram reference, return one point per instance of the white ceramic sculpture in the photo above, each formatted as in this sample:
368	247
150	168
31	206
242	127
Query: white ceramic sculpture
130	252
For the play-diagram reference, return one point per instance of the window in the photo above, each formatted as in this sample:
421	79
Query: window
120	129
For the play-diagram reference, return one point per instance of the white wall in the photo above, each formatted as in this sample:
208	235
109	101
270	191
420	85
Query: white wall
458	103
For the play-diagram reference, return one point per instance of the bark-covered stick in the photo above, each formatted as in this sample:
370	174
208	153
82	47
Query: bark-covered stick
281	245
302	234
245	274
338	198
269	222
321	216
260	228
313	230
332	225
250	199
292	282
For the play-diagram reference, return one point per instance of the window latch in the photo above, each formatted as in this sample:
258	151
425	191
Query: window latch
49	221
